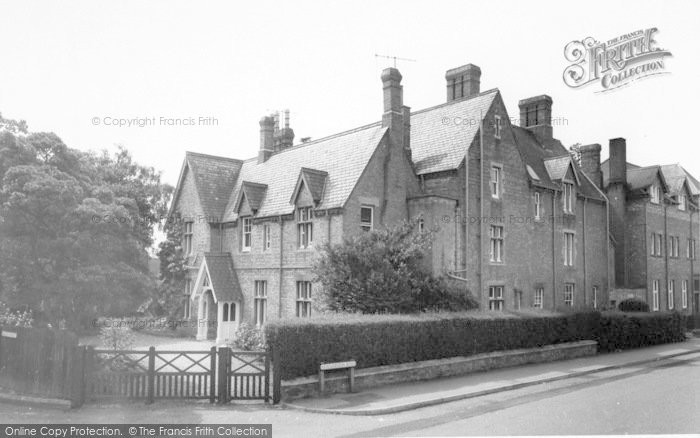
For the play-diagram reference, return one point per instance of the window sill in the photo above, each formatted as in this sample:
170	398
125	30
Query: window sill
245	250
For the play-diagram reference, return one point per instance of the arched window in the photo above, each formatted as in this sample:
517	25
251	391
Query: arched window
225	318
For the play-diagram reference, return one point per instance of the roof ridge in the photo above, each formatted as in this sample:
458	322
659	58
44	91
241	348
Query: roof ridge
328	137
199	154
461	99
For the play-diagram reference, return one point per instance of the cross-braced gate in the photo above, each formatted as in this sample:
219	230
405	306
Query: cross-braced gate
243	375
222	374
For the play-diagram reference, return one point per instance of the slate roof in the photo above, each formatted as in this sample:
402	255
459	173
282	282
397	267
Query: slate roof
315	181
557	167
223	279
214	178
643	177
673	174
441	135
254	195
676	175
343	157
537	157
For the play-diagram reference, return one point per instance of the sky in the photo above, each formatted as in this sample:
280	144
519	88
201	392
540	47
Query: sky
76	67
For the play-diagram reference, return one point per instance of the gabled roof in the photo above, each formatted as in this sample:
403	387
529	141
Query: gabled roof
558	167
343	157
643	177
676	176
441	135
223	279
537	157
254	194
314	180
214	178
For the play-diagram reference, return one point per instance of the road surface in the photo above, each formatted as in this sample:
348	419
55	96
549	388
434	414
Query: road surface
657	398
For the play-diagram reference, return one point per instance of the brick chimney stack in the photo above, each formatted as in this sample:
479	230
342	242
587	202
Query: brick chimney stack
618	161
590	163
463	81
536	116
284	136
393	116
267	129
617	197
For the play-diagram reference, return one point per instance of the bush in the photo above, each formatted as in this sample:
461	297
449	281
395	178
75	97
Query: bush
116	337
17	318
384	271
374	340
633	305
618	331
248	338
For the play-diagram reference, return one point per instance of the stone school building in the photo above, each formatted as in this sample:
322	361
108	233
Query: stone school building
520	223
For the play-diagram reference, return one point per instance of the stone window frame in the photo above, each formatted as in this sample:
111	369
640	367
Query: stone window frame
569	251
497	171
684	294
496	300
246	233
655	194
670	292
690	249
367	226
538	298
304	299
538	206
682	202
568	196
657	244
594	292
267	237
187	238
305	227
260	302
673	243
498	126
497	243
655	295
569	291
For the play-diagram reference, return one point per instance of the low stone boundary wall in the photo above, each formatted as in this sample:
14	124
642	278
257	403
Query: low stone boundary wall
366	378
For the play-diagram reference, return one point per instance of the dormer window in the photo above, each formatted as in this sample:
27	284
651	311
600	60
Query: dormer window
655	192
569	198
305	227
681	202
247	239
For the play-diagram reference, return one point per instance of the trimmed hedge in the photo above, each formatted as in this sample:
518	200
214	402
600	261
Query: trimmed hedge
620	331
633	305
374	340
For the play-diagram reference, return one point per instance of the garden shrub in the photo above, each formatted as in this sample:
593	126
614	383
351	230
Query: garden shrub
248	338
633	305
115	337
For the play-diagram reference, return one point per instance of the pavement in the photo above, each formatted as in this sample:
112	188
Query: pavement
407	396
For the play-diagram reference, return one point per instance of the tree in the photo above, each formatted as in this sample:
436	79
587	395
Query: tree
74	228
172	269
383	272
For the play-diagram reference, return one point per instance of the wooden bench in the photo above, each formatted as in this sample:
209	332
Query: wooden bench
349	365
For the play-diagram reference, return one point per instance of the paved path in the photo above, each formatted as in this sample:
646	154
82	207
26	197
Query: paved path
406	396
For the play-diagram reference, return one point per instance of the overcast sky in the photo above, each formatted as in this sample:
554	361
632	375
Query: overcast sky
65	63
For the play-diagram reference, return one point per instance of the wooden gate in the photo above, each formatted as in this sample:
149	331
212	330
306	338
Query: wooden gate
217	375
243	375
41	362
